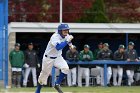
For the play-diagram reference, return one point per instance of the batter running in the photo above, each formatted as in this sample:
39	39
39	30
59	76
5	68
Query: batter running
53	57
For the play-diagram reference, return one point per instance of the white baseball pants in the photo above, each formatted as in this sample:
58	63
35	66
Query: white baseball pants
27	72
71	77
109	74
83	72
47	65
98	80
130	75
117	72
137	76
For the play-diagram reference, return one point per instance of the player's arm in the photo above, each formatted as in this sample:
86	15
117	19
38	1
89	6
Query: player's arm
116	56
81	56
91	56
60	45
10	56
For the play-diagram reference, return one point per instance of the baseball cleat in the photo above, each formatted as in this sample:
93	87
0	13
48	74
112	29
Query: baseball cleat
58	89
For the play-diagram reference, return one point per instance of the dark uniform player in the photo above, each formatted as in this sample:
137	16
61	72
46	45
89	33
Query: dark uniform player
98	77
31	62
131	56
72	55
100	47
119	55
105	54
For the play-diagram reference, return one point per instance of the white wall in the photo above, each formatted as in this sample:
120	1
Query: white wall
75	27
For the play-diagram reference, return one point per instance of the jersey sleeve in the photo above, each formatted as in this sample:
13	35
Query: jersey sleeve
55	40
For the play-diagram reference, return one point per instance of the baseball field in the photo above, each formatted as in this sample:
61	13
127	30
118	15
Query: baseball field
134	89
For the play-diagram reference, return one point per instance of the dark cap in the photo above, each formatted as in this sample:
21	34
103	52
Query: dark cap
17	44
121	46
100	43
30	43
86	46
131	43
106	44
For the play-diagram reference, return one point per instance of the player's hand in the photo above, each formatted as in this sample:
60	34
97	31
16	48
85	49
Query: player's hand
71	47
136	60
26	65
38	65
128	59
69	38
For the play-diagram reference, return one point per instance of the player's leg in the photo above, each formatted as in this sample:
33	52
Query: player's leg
14	78
34	76
61	64
80	72
137	76
73	71
47	65
18	78
132	76
69	80
102	76
98	77
109	74
120	73
86	73
129	77
115	76
27	72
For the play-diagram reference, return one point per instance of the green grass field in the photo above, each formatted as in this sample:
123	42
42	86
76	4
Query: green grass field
134	89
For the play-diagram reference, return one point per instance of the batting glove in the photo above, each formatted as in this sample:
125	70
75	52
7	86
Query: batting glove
69	38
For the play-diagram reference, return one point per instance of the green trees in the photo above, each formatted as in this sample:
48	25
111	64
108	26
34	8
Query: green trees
82	11
96	14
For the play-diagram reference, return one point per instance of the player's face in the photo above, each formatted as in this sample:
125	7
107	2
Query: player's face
130	47
65	32
100	46
30	47
73	50
17	47
86	49
105	47
121	49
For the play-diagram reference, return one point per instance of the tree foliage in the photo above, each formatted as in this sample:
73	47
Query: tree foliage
96	14
89	11
124	11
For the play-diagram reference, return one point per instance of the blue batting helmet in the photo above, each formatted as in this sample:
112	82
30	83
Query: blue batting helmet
62	27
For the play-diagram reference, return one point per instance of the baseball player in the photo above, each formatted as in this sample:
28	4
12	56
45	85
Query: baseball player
31	61
72	55
105	54
53	57
131	56
16	58
119	55
85	55
98	78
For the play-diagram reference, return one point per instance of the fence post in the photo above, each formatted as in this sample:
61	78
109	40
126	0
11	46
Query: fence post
53	76
1	37
6	40
105	74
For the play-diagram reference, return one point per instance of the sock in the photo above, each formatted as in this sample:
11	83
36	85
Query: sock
60	78
38	88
